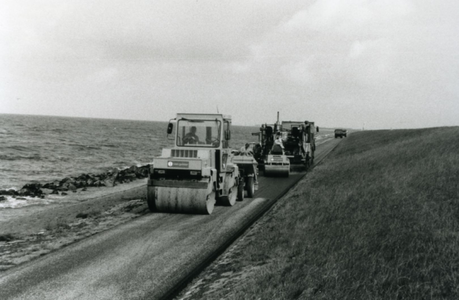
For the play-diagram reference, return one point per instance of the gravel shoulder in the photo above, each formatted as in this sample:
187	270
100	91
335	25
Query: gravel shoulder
33	231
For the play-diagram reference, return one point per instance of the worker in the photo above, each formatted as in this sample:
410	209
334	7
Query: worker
278	146
191	137
245	150
278	140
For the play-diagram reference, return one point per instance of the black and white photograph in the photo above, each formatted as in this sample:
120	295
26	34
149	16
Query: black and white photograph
229	149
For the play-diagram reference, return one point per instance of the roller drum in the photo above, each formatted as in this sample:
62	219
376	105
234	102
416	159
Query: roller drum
278	171
184	200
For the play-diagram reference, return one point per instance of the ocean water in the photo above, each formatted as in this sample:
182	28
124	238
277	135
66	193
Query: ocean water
46	148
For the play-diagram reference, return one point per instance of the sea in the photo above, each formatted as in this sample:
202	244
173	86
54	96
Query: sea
40	149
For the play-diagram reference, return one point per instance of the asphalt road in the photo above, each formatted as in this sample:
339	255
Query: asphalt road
142	259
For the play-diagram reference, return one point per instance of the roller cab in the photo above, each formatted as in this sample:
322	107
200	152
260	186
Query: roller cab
299	141
196	173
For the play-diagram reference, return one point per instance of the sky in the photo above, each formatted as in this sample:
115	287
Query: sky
356	64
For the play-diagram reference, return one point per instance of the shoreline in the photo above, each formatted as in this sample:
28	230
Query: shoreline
63	187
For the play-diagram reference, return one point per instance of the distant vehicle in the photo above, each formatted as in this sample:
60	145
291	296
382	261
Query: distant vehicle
340	133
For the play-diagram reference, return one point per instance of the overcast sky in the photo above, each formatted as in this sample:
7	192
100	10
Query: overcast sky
354	63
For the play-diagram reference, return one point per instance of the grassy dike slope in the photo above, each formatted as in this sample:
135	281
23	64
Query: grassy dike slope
377	219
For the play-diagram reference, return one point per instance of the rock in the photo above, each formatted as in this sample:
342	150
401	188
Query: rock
6	237
31	189
46	191
83	177
133	169
127	175
67	185
52	185
97	183
82	215
10	192
80	183
63	188
24	192
2	198
66	179
142	172
90	176
111	178
32	186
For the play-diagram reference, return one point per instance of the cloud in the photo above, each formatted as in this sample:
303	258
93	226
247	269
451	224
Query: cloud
334	40
388	58
103	75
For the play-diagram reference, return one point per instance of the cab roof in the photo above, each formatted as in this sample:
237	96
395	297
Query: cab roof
195	116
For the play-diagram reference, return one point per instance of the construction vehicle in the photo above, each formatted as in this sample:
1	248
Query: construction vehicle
197	171
269	152
299	141
298	146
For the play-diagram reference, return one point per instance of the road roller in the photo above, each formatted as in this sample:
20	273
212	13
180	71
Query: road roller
284	145
277	165
197	172
269	152
299	141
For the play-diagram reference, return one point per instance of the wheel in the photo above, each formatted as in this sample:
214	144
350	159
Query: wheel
230	199
151	198
307	162
250	186
240	191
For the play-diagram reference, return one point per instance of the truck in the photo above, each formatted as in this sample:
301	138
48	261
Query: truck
339	132
198	171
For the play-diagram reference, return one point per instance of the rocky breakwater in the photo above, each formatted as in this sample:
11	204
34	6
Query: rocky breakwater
83	181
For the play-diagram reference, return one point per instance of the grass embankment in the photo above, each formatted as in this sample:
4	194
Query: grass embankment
378	219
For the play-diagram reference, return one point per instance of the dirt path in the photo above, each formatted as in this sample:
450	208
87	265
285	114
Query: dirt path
29	232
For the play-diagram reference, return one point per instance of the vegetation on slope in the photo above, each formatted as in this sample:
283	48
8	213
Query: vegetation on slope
378	219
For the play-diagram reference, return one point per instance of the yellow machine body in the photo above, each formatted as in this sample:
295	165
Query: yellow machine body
196	173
